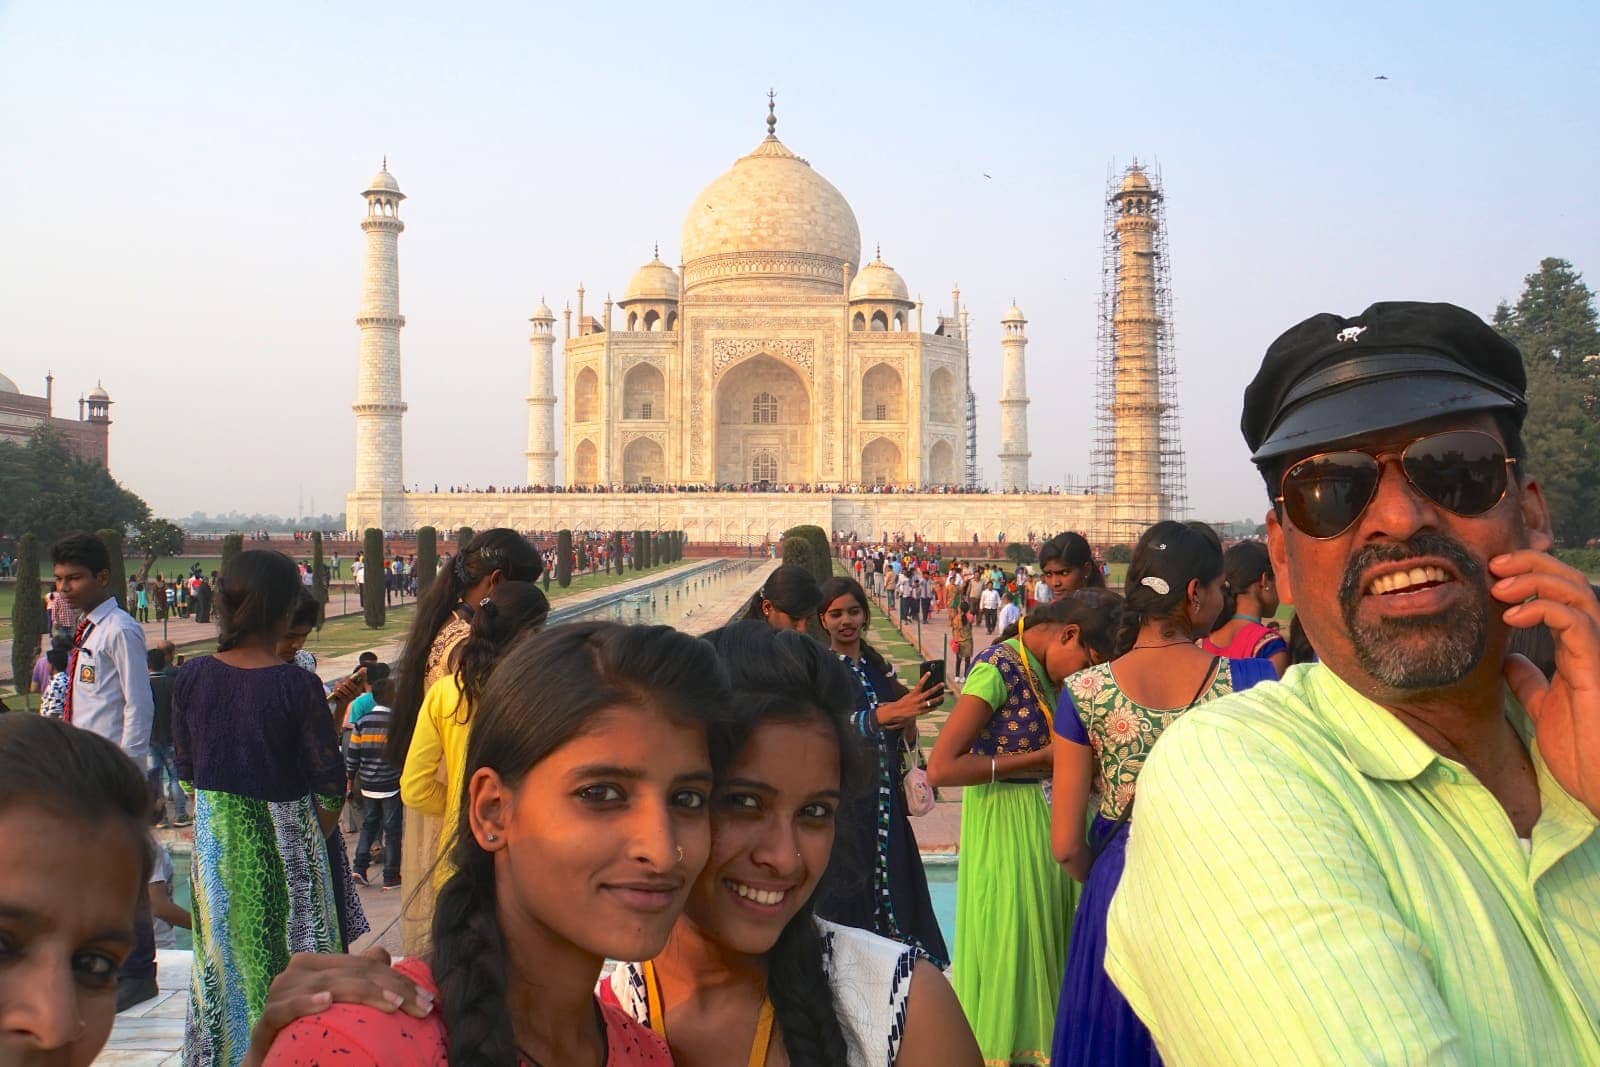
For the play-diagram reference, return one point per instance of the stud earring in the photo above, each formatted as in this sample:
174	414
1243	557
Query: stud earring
490	837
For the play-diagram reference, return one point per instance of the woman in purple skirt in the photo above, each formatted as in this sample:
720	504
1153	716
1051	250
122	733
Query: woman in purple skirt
1107	720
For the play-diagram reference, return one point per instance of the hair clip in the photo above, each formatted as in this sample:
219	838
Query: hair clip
1158	585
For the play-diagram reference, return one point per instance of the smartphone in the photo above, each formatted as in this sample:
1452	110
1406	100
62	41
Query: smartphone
934	669
377	672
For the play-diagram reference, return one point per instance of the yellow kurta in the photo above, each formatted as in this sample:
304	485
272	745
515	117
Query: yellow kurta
422	831
439	745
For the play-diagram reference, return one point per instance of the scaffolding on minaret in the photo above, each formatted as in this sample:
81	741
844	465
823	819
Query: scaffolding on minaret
1138	461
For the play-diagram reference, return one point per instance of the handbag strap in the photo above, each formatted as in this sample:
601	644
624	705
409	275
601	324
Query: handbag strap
1206	681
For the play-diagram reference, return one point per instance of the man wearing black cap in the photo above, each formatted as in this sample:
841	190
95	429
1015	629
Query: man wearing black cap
1388	857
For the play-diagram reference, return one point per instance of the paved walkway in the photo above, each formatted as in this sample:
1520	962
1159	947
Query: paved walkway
938	832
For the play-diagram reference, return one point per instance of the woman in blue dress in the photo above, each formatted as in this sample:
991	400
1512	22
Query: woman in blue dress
890	898
1108	719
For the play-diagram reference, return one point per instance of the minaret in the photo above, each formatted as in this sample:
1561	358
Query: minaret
1014	452
378	406
1136	401
541	451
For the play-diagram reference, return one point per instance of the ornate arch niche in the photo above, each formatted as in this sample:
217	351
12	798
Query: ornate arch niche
586	396
883	395
586	463
763	406
643	462
942	464
644	393
880	462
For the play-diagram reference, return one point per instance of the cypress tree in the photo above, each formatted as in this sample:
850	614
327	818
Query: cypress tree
427	558
319	577
28	619
373	577
563	558
464	536
119	570
232	545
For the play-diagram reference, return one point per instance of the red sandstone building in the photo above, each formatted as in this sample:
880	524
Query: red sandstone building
88	435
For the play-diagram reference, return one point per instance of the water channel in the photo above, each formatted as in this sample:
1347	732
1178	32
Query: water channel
700	600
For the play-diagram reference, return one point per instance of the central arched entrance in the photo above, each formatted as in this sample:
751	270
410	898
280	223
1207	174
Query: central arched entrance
763	424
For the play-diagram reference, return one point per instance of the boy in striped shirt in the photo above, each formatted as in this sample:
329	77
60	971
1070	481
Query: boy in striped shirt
379	785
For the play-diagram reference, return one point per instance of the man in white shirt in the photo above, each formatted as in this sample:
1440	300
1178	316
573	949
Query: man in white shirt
108	693
1009	614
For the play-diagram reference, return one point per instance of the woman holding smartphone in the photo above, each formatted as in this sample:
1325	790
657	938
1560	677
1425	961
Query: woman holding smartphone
894	901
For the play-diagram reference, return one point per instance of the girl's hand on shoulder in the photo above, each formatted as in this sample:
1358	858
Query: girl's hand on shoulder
315	981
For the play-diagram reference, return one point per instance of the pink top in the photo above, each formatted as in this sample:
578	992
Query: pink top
1250	641
353	1034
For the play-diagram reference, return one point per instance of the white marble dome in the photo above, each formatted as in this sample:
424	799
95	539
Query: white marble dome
8	386
879	281
99	392
1013	314
653	281
771	201
383	182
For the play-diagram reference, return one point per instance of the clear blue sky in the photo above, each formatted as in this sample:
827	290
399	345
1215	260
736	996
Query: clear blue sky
179	203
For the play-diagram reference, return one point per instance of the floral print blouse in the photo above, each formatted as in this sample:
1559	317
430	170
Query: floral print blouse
1094	711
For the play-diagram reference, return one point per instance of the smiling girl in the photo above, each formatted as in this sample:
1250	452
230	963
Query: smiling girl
750	975
583	825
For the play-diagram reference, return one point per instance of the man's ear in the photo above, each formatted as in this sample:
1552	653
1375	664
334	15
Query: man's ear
1536	515
1279	555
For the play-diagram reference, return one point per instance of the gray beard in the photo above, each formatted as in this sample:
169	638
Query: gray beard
1423	653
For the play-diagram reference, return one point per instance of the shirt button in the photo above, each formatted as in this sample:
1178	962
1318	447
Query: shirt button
1448	776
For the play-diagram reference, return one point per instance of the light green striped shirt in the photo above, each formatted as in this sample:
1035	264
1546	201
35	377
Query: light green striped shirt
1308	882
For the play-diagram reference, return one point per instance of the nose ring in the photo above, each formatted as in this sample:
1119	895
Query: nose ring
680	853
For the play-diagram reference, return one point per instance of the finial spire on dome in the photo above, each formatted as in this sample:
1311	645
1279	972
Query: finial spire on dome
658	250
386	162
772	113
877	253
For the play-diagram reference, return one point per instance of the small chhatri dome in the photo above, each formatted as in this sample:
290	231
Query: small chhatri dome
653	281
543	311
8	386
383	182
879	281
1135	182
1013	314
99	392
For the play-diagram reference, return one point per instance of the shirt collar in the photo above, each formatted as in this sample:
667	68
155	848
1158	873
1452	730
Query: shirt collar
103	610
1377	742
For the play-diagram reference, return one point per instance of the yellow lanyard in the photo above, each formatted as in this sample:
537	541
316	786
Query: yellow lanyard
658	1017
1033	683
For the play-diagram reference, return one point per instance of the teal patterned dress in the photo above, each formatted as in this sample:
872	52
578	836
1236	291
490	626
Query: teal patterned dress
256	748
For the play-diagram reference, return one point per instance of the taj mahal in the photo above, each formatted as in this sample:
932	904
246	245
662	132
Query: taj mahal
772	379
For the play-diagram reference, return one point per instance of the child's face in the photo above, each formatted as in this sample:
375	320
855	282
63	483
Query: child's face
68	889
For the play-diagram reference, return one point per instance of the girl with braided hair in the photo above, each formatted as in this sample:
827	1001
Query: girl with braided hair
583	825
435	767
748	964
444	616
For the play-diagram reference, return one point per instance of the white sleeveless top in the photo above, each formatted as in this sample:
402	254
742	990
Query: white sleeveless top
870	977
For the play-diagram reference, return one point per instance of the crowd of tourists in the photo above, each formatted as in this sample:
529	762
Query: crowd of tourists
846	488
1371	840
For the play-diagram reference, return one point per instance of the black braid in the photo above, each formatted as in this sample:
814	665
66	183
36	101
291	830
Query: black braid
802	997
469	963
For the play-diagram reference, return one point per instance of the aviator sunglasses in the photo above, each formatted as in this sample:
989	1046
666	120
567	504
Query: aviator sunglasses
1466	472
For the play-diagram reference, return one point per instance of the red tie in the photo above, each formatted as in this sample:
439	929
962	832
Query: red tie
72	664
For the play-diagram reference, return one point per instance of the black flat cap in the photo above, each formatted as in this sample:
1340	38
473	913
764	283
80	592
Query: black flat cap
1397	362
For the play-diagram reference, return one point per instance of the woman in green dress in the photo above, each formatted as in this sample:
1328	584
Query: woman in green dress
1014	904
